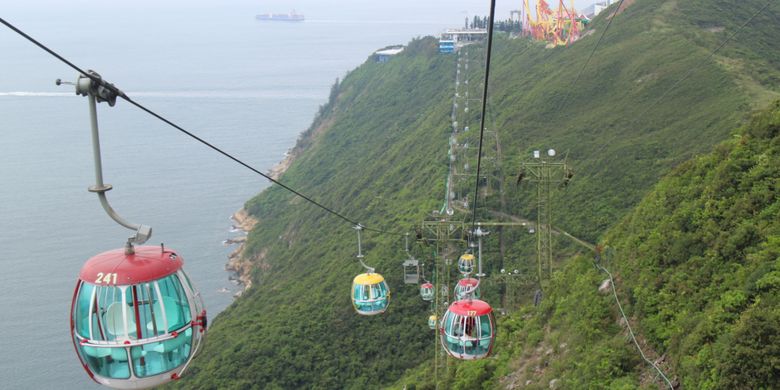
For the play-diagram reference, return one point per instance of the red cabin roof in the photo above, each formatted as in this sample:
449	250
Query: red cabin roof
427	285
115	268
468	282
470	307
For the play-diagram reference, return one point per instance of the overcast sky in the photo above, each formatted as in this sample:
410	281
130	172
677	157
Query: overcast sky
417	9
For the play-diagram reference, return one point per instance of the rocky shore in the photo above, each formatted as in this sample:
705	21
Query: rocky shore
237	264
276	171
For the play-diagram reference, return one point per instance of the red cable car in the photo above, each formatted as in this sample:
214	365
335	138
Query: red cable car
468	329
426	291
467	288
136	319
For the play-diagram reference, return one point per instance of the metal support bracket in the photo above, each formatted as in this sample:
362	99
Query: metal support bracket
479	233
360	255
97	90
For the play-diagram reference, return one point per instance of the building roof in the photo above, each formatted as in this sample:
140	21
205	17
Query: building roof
389	52
457	31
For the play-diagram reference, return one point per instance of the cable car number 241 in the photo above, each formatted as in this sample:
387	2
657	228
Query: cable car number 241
109	278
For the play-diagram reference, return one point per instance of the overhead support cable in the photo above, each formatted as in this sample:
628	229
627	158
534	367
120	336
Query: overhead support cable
585	65
597	263
491	20
692	70
102	83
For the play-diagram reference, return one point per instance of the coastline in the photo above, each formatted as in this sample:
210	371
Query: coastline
277	170
238	264
240	267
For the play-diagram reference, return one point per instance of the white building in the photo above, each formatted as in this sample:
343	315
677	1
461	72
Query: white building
385	54
596	8
464	35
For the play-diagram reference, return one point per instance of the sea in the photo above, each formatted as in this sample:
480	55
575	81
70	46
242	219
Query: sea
246	86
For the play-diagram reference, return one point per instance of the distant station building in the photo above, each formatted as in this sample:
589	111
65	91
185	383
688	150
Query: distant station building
596	8
453	39
463	36
384	55
446	46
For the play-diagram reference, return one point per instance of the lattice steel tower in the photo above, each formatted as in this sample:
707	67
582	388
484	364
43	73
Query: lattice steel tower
544	171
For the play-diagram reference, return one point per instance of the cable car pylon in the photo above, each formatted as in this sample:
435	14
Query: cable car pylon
136	319
544	172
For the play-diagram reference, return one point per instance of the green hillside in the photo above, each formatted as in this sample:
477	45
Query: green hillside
697	267
378	153
701	255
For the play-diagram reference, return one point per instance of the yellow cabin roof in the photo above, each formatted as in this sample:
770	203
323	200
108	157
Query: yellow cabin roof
371	278
467	256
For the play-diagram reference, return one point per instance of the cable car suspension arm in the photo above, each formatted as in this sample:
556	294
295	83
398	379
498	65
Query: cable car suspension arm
360	255
98	92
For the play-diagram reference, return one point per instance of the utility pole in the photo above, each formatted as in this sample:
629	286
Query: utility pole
544	171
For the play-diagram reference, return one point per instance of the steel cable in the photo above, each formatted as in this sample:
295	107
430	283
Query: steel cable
188	133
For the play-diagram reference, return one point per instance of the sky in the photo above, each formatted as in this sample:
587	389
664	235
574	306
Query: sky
328	8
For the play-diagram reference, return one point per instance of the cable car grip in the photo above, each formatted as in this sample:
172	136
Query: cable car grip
98	90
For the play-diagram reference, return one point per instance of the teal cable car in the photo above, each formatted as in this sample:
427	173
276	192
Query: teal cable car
370	294
136	320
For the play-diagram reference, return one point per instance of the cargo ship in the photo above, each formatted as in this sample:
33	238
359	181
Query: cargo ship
291	17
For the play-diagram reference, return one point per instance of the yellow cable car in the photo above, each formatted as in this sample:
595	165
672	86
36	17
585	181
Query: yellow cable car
370	294
466	264
432	321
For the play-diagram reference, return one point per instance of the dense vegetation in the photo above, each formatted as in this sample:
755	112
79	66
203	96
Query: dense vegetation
701	255
698	265
377	152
